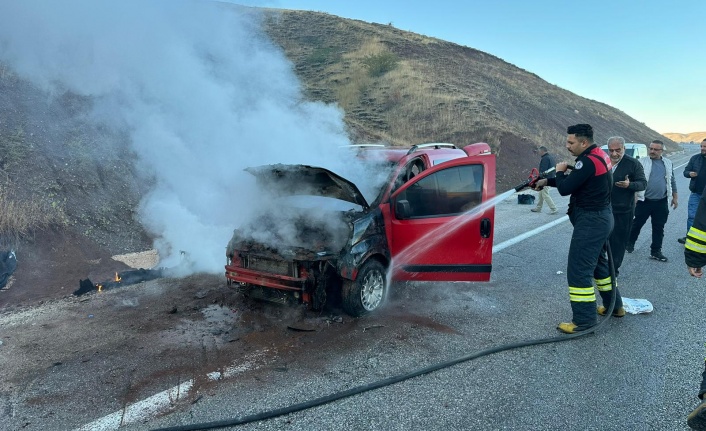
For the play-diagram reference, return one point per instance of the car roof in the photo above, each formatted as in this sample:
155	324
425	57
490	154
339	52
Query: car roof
436	152
627	145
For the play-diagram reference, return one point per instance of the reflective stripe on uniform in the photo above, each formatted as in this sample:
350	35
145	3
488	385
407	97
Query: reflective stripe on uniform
695	246
697	234
604	284
582	294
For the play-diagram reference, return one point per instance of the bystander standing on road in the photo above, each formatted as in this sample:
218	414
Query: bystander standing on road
652	202
589	185
695	170
628	179
546	162
695	259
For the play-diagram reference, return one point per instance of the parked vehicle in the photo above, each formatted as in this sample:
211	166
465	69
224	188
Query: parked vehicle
632	149
426	224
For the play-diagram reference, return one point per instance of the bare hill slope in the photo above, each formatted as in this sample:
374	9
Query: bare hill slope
394	86
686	137
437	91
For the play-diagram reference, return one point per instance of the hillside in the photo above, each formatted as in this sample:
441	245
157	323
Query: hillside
70	188
695	137
437	91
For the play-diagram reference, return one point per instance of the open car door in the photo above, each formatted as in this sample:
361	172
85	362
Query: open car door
439	228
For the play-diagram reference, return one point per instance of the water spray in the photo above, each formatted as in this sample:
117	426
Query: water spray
443	231
435	235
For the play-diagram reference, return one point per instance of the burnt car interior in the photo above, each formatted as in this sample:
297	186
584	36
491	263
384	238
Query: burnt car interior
413	168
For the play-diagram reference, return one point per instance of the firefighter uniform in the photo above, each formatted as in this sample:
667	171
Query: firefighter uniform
589	185
695	257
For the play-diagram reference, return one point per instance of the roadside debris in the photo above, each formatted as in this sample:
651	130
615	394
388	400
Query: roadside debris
637	306
334	319
301	328
8	263
121	279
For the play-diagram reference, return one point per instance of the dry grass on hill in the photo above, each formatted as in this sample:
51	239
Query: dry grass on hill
437	91
686	137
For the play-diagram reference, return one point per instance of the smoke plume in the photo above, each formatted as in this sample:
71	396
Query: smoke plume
202	93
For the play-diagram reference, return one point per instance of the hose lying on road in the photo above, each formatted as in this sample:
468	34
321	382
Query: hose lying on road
402	377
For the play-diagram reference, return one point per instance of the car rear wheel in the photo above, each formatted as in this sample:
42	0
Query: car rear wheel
367	293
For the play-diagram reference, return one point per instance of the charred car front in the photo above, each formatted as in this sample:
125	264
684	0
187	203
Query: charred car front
426	224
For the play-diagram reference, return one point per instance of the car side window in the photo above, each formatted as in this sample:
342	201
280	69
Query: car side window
447	192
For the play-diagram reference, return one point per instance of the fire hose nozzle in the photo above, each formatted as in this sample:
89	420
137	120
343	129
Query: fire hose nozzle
524	185
533	178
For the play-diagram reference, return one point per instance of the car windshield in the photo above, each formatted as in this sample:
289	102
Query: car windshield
379	175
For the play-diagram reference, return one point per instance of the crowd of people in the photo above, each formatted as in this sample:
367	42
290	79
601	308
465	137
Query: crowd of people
612	195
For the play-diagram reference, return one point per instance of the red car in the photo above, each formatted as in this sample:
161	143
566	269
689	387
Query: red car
426	224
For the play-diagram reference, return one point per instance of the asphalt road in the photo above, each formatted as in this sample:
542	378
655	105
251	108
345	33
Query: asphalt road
640	372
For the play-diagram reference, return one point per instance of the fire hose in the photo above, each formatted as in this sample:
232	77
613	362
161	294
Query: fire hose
406	376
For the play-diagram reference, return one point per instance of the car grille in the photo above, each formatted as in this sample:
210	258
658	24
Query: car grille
279	267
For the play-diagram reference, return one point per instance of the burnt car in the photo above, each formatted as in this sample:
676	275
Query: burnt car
427	223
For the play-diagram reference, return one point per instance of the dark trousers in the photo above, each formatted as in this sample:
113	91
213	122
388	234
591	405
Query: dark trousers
658	211
587	261
619	237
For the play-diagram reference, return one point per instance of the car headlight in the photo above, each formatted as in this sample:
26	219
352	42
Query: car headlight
359	228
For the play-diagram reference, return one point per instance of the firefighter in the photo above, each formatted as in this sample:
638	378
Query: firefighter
695	258
589	184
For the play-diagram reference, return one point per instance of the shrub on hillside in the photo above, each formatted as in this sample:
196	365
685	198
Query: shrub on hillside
380	64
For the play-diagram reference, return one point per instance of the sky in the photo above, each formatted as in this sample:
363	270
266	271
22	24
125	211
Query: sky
645	58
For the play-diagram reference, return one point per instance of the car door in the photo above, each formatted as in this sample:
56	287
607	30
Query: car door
438	228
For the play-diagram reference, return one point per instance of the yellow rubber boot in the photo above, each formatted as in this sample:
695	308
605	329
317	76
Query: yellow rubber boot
620	312
567	327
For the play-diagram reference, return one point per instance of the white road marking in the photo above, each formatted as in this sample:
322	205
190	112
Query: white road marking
165	400
524	236
140	410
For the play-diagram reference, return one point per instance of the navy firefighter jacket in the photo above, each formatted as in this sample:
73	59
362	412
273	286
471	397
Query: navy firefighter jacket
589	183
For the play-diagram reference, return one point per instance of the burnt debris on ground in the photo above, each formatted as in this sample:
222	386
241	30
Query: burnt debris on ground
121	279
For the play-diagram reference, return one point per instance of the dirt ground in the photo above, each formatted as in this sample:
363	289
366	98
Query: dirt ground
51	266
130	342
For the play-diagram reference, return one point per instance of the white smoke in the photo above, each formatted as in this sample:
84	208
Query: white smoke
202	92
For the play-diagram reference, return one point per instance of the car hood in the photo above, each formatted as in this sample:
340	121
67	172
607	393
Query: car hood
287	180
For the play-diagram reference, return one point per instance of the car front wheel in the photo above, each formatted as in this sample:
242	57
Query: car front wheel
367	293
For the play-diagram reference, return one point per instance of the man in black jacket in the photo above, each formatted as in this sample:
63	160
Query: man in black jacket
589	185
695	170
628	177
695	259
545	163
